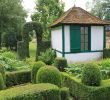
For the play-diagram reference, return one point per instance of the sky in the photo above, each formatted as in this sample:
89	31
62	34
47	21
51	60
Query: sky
29	5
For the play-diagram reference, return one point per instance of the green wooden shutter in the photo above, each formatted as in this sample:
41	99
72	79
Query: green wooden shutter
75	38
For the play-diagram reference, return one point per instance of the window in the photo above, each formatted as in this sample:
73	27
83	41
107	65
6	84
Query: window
84	39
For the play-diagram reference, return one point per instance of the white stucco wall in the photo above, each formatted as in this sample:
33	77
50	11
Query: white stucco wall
97	37
67	38
83	57
58	54
56	38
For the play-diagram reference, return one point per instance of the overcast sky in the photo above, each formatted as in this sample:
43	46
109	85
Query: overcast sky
29	5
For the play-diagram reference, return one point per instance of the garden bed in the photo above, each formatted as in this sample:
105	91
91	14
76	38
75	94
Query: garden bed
83	92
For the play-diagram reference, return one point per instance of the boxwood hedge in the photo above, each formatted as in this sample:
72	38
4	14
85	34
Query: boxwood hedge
83	92
17	78
32	92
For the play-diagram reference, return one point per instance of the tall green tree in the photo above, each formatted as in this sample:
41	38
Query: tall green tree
100	8
12	16
46	12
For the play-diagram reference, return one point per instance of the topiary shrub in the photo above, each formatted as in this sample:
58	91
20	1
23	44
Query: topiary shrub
65	95
2	71
49	74
61	63
35	69
91	75
2	83
20	50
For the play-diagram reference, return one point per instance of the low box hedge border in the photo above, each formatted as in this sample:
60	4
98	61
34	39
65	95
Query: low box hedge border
17	78
83	92
32	92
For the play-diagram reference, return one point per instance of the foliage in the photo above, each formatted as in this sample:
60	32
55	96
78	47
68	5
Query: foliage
31	92
2	83
49	74
91	75
100	8
83	92
61	63
35	69
20	50
9	40
104	65
18	77
46	12
106	53
8	54
12	17
11	64
65	95
48	56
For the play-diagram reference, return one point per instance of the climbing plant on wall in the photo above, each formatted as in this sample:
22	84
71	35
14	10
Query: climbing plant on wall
37	27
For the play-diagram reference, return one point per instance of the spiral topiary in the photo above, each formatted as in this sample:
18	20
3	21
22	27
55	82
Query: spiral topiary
91	75
49	74
35	69
2	83
61	63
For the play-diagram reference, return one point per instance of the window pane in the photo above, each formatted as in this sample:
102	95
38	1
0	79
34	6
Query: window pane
86	30
86	38
82	38
82	46
82	30
86	46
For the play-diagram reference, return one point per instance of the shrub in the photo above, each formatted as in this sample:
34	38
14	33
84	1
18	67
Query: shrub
61	63
17	78
2	83
31	92
9	40
106	53
91	75
83	92
49	74
20	50
35	69
2	71
65	95
48	56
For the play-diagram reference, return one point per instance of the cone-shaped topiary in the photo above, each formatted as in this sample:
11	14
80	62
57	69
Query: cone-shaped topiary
2	71
91	75
49	74
35	69
61	63
2	84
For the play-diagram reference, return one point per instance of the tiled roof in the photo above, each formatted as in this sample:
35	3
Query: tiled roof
77	15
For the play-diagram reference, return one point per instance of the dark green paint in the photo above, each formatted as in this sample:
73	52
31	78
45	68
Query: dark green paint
89	38
75	38
104	38
63	41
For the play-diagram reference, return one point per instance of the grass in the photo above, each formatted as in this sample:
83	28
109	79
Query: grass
32	49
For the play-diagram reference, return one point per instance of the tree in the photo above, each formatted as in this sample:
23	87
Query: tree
100	8
46	12
12	17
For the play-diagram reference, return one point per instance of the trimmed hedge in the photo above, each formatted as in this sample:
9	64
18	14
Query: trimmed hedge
35	69
49	74
2	71
61	63
83	92
18	77
32	92
65	95
91	75
2	84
